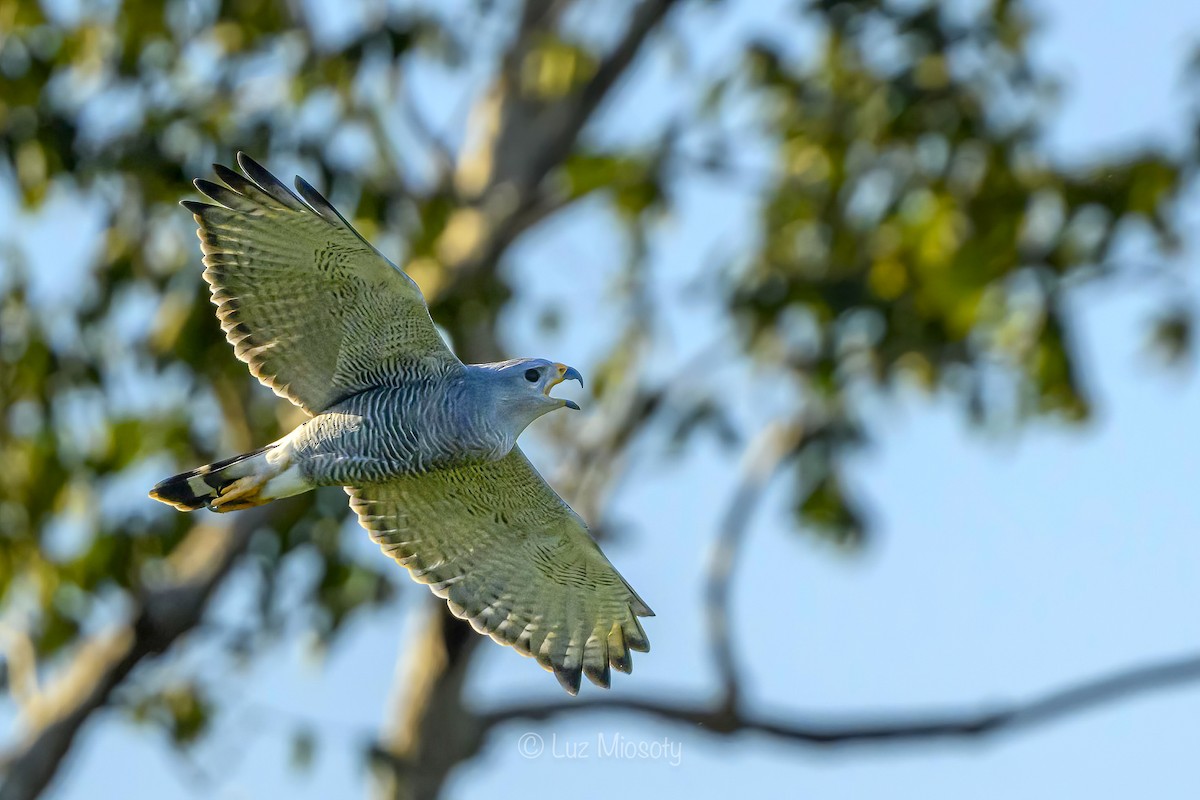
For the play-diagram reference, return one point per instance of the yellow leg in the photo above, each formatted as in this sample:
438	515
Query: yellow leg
242	493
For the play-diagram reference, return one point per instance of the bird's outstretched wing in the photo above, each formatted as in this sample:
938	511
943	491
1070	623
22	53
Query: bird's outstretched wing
316	312
512	558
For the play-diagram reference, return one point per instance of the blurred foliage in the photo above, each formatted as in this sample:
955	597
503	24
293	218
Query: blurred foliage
181	710
917	233
911	232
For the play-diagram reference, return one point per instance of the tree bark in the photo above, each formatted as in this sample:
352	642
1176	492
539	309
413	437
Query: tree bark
163	615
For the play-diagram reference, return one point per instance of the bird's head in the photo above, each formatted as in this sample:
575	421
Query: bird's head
522	387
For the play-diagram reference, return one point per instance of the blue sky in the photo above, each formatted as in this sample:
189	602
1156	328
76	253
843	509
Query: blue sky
1001	568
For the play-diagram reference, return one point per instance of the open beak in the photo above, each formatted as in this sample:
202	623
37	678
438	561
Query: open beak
565	373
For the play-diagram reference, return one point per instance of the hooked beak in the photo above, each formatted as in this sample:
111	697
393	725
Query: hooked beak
565	373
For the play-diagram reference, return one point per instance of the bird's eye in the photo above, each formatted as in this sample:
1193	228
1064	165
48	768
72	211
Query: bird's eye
532	375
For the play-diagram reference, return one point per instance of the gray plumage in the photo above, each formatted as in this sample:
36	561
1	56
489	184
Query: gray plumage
424	445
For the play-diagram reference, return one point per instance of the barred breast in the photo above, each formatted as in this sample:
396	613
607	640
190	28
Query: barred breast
389	431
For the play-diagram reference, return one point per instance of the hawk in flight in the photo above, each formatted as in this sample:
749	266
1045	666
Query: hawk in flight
425	445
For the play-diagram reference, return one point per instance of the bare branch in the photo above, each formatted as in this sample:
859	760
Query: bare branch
20	658
163	614
776	444
913	728
527	139
570	117
433	731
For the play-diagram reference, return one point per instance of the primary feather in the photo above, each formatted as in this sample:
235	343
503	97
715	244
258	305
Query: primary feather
316	312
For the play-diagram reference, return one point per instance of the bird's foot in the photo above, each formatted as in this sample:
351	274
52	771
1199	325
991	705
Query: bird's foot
242	493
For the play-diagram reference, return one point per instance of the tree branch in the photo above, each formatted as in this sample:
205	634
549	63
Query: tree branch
433	731
914	728
528	138
20	659
777	442
568	118
163	614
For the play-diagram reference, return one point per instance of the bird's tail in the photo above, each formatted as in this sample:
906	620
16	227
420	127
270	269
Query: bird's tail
250	479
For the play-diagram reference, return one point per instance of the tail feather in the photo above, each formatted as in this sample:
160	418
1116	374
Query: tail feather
207	486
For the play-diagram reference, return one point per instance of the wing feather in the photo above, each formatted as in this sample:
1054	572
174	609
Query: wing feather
314	310
508	555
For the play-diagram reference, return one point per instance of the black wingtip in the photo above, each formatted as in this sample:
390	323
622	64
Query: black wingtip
195	206
208	188
231	178
255	171
310	195
635	637
274	187
569	678
601	676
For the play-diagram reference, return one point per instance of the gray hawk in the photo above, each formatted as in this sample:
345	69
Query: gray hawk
425	445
